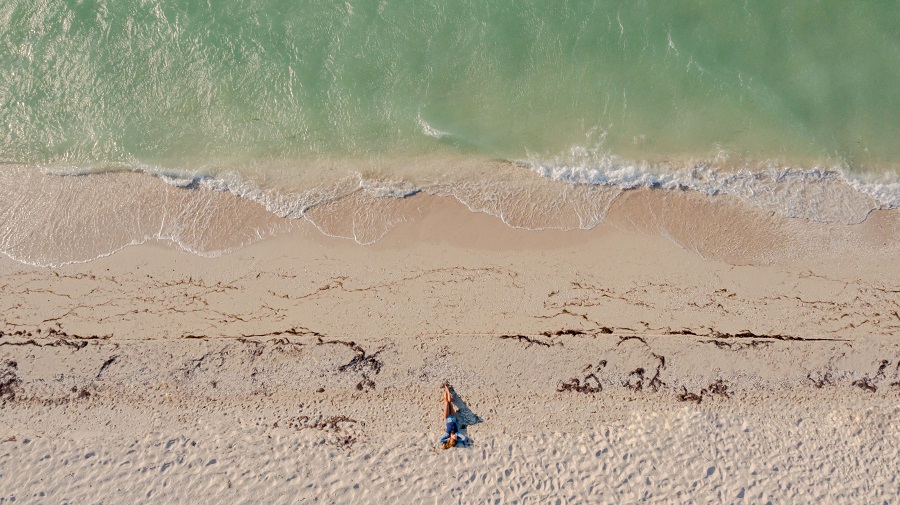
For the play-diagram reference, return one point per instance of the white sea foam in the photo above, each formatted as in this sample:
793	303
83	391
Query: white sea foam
885	189
824	194
388	189
429	130
817	194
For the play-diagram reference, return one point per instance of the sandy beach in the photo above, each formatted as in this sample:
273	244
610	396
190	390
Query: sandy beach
750	360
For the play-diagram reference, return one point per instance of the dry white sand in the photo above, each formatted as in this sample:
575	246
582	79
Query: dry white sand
746	359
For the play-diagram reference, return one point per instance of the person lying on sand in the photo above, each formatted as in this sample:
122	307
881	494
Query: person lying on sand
452	435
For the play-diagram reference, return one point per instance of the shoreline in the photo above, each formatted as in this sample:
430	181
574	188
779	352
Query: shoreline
54	220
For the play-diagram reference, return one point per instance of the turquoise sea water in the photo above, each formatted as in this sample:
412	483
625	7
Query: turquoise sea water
286	95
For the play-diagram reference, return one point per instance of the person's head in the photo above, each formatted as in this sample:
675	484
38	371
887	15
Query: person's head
451	442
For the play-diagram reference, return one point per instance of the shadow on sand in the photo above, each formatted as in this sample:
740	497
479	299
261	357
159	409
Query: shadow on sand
465	417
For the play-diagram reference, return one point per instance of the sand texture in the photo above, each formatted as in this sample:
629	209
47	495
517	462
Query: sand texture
678	352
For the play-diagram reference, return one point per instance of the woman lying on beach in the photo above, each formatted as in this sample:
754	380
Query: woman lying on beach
452	437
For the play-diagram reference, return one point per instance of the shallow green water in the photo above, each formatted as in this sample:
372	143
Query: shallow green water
330	111
237	83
